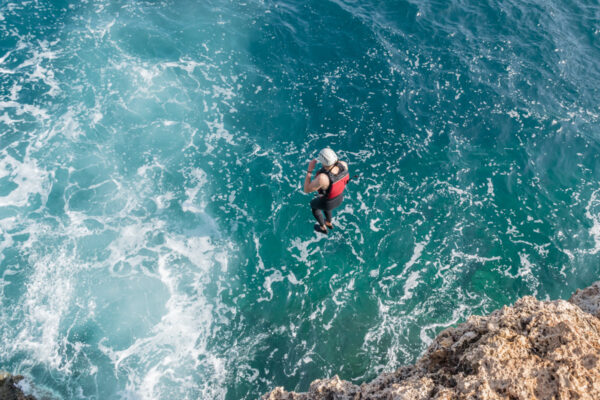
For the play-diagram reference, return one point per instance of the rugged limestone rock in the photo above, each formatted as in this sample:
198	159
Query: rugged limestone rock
9	389
532	350
588	299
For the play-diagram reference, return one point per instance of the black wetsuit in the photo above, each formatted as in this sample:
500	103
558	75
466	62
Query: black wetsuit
322	203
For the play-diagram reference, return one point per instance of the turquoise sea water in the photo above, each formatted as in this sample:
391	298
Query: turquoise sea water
155	242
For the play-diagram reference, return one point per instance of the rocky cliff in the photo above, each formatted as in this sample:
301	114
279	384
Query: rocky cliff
532	350
9	390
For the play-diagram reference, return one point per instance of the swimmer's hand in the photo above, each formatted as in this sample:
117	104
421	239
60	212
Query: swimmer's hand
311	165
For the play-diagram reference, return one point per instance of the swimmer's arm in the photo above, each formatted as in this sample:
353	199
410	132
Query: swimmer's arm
316	183
319	182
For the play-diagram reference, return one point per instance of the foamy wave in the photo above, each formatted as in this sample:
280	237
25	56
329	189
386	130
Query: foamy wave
44	307
28	178
174	357
592	215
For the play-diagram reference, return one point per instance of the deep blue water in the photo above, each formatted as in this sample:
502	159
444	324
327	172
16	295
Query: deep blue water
155	242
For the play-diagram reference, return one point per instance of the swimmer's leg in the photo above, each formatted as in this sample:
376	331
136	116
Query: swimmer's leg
319	216
317	204
320	229
328	217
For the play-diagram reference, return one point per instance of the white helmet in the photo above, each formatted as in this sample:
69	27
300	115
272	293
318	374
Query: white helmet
327	157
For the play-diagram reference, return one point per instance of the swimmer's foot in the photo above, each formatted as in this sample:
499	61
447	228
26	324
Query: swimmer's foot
320	229
329	225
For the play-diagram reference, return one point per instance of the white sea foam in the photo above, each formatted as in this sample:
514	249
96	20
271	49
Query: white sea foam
132	239
173	358
44	306
97	117
373	225
164	200
20	109
66	125
526	272
302	246
292	278
473	257
413	279
276	276
194	200
591	214
29	178
261	264
429	332
411	282
46	76
217	131
464	195
490	187
176	348
416	254
147	75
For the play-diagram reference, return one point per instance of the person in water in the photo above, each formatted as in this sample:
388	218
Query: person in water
330	182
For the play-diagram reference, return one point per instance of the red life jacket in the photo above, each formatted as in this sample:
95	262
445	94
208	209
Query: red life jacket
337	183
